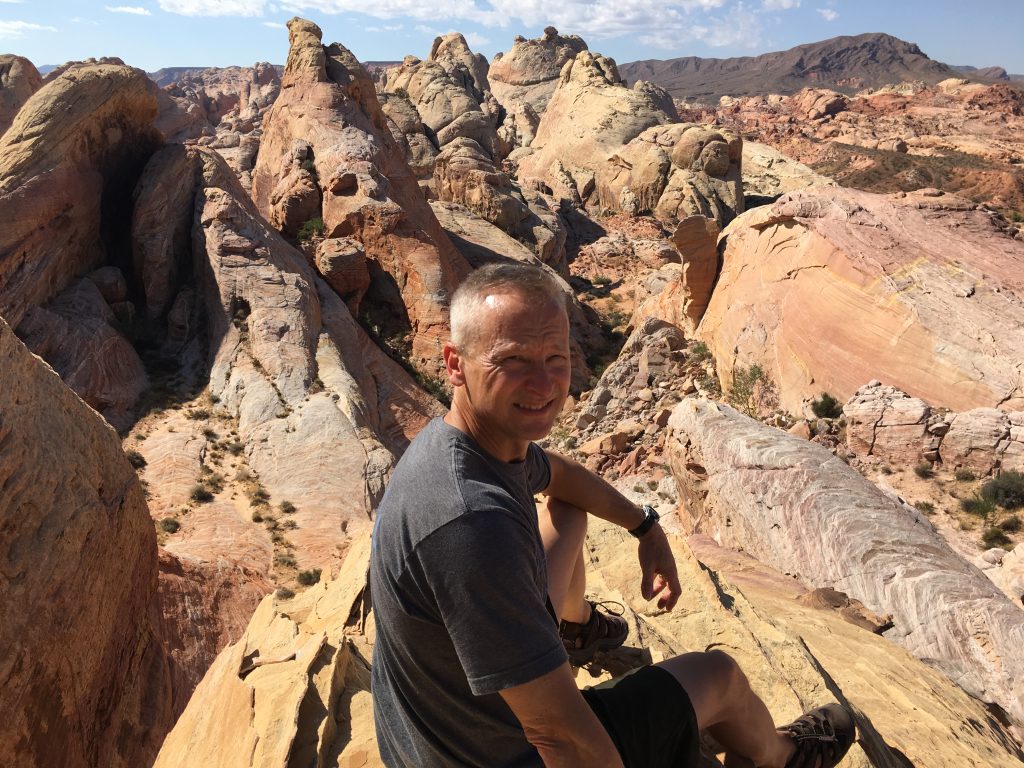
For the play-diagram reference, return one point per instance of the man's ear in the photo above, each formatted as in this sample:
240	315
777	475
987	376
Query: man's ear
453	364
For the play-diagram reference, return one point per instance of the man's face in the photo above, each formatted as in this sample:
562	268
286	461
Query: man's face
512	380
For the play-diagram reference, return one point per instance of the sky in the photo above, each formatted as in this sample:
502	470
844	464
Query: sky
151	34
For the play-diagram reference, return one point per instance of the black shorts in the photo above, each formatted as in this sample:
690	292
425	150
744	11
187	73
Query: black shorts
649	717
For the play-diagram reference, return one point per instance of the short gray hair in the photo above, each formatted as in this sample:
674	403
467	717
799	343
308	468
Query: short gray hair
523	279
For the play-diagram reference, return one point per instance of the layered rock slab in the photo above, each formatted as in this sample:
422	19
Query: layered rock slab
829	288
327	147
86	681
792	503
527	74
19	79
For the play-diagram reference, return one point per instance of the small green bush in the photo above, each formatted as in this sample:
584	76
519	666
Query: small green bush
924	471
601	280
259	497
978	505
1006	490
283	593
257	517
198	414
1011	524
209	434
995	537
200	494
310	577
752	390
285	560
964	475
170	525
885	469
314	226
401	92
135	458
827	407
287	507
699	352
925	506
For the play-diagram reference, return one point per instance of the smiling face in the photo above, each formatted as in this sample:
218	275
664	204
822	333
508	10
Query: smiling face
512	378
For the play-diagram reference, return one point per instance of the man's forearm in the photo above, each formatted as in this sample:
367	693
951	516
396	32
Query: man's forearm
575	484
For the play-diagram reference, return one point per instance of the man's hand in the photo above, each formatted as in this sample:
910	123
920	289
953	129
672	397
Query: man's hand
658	566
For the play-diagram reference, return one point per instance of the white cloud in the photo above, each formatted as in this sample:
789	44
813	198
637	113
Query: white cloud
82	20
476	40
134	10
780	5
274	25
828	14
214	7
16	29
12	2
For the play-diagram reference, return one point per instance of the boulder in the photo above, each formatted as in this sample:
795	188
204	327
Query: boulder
86	680
828	288
790	502
882	421
976	440
768	174
19	79
368	191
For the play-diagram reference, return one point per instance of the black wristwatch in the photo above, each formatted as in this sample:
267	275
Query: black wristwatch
651	518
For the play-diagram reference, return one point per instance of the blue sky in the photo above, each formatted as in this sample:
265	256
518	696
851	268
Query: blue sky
160	33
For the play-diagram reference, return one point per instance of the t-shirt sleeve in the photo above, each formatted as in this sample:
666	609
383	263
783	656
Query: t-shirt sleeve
482	572
538	468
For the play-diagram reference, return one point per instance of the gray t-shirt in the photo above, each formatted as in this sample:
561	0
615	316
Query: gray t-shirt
459	586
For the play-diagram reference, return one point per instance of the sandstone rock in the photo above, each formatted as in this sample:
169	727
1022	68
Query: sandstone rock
86	681
767	173
528	73
19	79
801	429
368	192
881	281
409	133
790	502
75	334
661	98
885	422
817	103
1009	576
590	115
78	142
342	263
975	440
696	239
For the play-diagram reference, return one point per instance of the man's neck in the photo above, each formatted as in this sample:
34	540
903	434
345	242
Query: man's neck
502	450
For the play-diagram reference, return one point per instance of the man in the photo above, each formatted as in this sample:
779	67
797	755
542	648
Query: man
469	581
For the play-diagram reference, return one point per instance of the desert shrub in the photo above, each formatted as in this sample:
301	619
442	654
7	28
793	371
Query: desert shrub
235	447
170	525
310	577
1006	490
885	469
257	517
200	494
995	537
259	497
752	390
601	280
978	505
1011	524
699	352
198	413
283	593
436	387
925	506
924	471
401	92
135	458
209	434
639	488
289	525
827	407
314	226
963	475
309	166
652	484
285	560
287	507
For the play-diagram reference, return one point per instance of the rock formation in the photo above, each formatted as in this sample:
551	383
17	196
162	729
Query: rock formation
326	147
19	79
86	681
67	167
768	174
524	78
786	501
829	288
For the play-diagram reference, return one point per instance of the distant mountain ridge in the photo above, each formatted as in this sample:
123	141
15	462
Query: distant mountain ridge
847	63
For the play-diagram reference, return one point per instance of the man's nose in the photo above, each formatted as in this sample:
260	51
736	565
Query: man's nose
540	377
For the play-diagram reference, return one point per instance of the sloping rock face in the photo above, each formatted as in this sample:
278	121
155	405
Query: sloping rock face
326	146
451	94
590	116
526	75
222	108
19	79
86	681
885	422
789	502
320	410
295	688
829	288
67	167
767	173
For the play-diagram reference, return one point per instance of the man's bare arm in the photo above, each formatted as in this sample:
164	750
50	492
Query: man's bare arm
574	484
558	722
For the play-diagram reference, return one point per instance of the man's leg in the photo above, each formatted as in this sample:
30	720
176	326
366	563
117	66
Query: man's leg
729	710
563	528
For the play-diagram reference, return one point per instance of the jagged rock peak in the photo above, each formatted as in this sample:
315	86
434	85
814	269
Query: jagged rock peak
305	53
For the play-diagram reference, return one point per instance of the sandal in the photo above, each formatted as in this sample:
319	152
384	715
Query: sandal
825	733
603	631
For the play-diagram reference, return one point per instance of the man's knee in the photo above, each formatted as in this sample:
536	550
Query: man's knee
727	673
563	516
